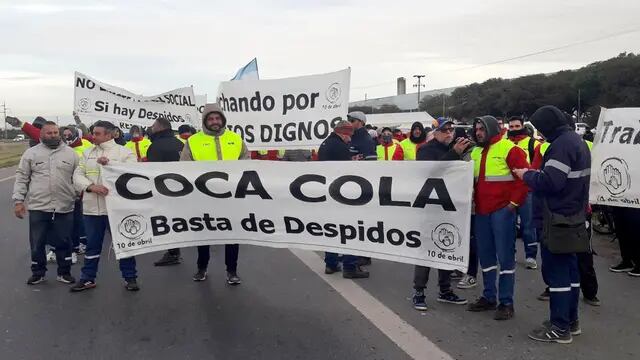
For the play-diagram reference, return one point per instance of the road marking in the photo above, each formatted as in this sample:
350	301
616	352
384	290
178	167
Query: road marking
7	178
410	340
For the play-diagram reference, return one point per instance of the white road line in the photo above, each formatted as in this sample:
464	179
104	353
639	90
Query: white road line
410	340
7	178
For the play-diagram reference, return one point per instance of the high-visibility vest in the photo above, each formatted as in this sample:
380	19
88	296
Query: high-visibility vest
139	148
203	146
496	167
589	144
386	153
82	147
524	145
409	149
545	146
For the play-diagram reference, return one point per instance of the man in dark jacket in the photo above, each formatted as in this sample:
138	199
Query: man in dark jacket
165	147
438	149
362	144
336	148
562	185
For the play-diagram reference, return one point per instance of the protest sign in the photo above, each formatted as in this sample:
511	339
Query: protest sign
95	100
292	113
615	168
419	217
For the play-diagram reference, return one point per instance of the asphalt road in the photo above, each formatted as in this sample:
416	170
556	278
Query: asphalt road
283	310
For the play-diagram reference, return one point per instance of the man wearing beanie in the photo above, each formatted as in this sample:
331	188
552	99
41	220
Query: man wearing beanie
497	196
184	132
215	143
561	188
336	148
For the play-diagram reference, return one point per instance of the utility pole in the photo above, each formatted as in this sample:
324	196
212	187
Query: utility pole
578	118
443	105
419	85
4	117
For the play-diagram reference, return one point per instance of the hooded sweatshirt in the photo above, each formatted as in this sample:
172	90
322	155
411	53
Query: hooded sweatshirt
410	145
491	196
208	109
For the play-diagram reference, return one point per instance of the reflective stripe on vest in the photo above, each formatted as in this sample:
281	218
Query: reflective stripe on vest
203	146
496	167
409	149
391	150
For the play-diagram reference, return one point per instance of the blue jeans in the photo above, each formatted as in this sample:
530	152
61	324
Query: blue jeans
349	262
496	238
560	272
529	235
96	227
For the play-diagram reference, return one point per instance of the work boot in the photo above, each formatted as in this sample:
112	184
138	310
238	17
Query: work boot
356	273
504	312
482	304
168	259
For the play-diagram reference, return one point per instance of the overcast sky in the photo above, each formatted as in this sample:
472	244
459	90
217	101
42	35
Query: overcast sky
149	47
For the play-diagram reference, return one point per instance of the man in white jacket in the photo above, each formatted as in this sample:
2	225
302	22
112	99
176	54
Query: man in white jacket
87	179
44	180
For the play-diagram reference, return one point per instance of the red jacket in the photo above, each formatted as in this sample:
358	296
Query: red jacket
398	154
537	158
492	196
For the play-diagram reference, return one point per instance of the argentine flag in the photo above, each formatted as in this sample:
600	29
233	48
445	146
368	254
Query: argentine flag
248	72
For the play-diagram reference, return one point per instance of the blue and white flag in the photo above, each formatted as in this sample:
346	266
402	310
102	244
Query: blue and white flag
248	72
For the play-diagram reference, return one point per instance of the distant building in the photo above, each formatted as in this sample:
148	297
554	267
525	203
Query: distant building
406	102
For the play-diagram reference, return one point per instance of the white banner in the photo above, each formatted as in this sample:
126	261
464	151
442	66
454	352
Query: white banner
421	216
290	113
615	169
95	100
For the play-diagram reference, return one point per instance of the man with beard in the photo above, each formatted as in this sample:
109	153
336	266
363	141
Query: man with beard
416	138
519	135
215	143
44	180
438	149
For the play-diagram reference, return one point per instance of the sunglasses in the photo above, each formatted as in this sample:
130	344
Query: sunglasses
446	130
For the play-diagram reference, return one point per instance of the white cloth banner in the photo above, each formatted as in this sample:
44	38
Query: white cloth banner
95	100
292	113
421	216
615	168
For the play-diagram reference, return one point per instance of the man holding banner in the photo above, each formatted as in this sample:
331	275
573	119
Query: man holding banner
214	143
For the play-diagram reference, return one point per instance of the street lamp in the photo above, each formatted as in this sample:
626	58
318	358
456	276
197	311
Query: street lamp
419	85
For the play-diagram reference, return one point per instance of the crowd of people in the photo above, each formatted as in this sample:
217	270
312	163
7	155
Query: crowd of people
527	181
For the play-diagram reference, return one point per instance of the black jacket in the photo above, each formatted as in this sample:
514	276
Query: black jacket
334	149
362	143
164	147
436	151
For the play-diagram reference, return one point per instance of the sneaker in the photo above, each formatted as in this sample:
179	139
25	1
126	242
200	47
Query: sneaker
531	263
168	259
82	249
131	284
622	267
201	275
331	270
594	301
545	296
467	282
83	285
504	312
233	278
552	334
74	259
457	275
35	279
357	273
482	304
51	257
419	302
635	272
574	327
451	298
66	279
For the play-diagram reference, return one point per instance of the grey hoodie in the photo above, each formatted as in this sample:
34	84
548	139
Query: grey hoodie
490	124
44	179
208	109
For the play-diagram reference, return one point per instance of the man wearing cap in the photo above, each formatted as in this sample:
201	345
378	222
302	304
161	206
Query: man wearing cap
497	195
336	148
438	149
388	148
362	144
215	143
